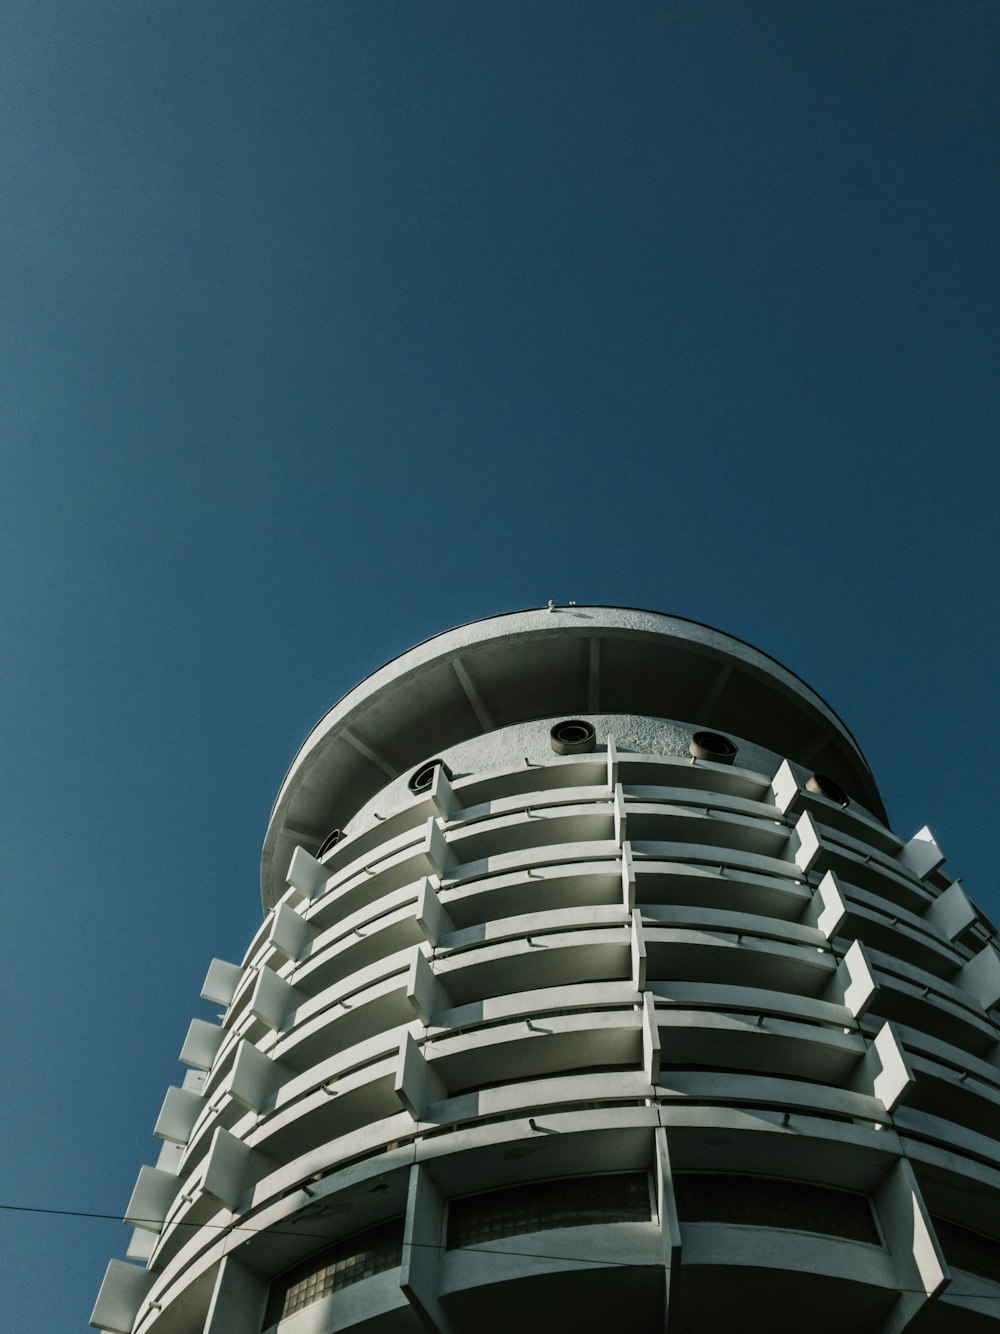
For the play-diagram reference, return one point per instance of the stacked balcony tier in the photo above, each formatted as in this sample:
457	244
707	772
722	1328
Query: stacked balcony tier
556	1046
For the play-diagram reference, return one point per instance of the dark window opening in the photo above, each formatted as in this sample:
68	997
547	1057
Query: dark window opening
619	1197
718	1197
335	1267
969	1250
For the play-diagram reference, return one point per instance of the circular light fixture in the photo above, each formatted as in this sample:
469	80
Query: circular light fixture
826	787
422	778
331	841
573	736
712	746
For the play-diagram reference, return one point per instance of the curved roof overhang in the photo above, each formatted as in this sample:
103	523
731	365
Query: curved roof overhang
537	664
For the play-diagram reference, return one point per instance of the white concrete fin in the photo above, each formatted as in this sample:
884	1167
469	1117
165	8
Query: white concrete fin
307	875
621	816
628	877
141	1245
666	1203
638	951
435	850
853	984
650	1039
416	1084
895	1079
201	1046
423	1230
980	977
785	787
917	1259
951	912
921	855
221	981
884	1070
231	1169
294	898
273	999
424	990
804	843
122	1293
255	1078
152	1197
612	764
239	1300
443	796
432	918
170	1157
289	932
181	1109
826	909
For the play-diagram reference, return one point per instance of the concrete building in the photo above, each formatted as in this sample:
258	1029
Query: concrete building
592	992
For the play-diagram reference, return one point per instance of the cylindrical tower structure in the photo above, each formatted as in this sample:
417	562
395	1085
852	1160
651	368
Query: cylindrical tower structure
593	991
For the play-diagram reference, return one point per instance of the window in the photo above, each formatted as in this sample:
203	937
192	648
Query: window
335	1267
719	1197
968	1250
619	1197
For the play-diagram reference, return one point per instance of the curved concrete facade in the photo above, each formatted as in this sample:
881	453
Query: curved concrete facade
572	1041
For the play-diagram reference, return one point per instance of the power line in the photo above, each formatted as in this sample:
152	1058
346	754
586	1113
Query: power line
422	1245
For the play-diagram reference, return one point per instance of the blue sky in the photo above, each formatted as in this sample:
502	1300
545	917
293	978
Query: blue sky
328	324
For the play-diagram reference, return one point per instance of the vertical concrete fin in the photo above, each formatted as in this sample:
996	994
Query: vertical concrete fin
273	999
432	919
181	1109
921	855
437	855
202	1043
638	951
853	984
221	981
289	934
951	912
804	844
238	1301
154	1193
417	1086
980	977
142	1245
920	1269
884	1071
255	1078
826	909
650	1039
628	877
612	764
785	787
307	875
424	989
231	1169
670	1228
443	796
124	1289
423	1248
621	815
170	1157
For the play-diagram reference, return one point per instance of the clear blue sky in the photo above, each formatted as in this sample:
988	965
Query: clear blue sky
329	324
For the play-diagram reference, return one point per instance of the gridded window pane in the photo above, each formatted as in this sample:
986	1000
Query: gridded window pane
969	1250
718	1197
621	1197
335	1267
